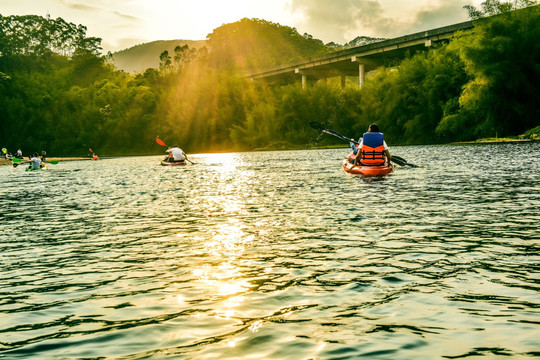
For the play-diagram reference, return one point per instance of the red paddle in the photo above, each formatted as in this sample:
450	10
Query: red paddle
160	142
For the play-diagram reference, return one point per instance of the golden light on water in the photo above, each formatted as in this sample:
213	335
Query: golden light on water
219	269
256	326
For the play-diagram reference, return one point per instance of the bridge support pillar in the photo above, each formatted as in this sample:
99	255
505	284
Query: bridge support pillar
361	71
361	75
304	77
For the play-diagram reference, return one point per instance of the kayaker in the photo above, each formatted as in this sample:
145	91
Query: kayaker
19	154
35	162
176	154
43	155
373	148
94	157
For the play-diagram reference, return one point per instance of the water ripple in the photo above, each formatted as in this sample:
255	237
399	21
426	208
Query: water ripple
274	255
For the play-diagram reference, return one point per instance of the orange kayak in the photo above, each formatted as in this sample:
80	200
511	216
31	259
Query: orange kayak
366	170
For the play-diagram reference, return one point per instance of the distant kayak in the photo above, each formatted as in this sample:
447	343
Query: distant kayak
44	167
366	170
176	163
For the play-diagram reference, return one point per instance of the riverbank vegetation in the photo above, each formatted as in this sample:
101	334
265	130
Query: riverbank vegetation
59	94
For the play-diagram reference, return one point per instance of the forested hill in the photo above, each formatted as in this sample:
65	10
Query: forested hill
57	93
143	56
252	44
279	42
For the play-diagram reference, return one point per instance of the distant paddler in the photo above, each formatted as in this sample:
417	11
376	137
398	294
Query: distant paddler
35	162
94	156
176	155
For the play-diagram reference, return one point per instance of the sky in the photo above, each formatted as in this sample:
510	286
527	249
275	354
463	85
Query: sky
125	23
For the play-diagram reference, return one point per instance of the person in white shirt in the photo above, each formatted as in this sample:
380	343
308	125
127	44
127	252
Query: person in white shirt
35	162
176	155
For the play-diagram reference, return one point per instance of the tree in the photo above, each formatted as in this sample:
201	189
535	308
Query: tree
165	61
501	57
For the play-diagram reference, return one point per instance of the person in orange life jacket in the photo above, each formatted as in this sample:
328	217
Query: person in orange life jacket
373	148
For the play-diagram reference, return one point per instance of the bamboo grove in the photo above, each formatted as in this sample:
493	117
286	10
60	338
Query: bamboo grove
57	93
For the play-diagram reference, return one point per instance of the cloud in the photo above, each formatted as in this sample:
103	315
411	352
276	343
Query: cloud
74	5
336	18
343	20
441	15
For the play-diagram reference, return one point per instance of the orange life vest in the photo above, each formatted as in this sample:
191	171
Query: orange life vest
372	149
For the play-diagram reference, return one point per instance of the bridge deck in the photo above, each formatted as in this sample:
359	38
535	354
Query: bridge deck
346	62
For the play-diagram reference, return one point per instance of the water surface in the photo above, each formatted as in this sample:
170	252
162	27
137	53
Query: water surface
274	255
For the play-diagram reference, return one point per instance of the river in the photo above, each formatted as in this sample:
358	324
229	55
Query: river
274	255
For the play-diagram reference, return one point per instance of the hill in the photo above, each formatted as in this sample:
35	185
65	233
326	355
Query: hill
143	56
256	44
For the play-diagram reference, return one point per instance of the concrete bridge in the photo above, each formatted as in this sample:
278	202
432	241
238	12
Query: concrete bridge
357	61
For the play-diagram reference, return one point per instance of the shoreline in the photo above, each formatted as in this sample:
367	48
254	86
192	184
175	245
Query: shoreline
66	158
474	142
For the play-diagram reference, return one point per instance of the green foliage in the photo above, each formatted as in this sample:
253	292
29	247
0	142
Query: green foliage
35	35
253	44
496	7
65	98
501	57
533	134
408	102
143	56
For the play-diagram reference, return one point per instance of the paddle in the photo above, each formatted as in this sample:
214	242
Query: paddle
162	143
401	161
331	132
398	160
17	162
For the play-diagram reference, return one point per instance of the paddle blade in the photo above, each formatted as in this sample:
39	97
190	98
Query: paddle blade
398	160
160	142
16	160
330	132
91	150
316	125
401	161
54	162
